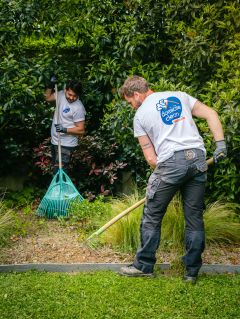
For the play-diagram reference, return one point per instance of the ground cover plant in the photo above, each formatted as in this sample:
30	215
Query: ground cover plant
108	295
87	216
17	216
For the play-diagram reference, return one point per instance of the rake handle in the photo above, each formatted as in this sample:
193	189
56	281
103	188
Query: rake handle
116	218
58	119
210	161
127	211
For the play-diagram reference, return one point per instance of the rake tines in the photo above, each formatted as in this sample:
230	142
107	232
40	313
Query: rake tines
59	196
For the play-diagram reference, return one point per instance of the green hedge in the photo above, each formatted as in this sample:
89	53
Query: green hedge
174	44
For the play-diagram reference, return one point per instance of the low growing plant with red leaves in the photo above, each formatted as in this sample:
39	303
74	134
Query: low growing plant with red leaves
95	167
43	157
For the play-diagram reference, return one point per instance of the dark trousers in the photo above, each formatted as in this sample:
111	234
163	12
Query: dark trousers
66	152
185	171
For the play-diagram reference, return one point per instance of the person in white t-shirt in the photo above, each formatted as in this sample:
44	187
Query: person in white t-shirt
71	122
172	146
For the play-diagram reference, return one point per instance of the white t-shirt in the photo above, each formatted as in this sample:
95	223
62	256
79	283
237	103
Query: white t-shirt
167	120
69	113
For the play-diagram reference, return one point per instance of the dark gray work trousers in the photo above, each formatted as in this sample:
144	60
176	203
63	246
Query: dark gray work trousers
185	171
66	152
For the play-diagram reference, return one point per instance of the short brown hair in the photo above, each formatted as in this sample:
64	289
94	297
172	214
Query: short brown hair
133	84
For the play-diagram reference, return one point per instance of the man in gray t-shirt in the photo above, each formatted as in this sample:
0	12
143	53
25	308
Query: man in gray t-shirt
70	122
172	146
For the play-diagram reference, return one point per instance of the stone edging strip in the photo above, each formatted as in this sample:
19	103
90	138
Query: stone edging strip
88	267
220	269
69	267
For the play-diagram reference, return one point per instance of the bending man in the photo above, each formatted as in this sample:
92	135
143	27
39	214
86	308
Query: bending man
172	146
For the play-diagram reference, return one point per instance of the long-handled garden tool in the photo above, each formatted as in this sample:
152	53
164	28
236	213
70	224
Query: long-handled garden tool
125	212
61	192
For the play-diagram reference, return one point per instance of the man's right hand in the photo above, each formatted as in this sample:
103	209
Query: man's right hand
53	79
51	83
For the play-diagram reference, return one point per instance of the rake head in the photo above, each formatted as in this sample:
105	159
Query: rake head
59	196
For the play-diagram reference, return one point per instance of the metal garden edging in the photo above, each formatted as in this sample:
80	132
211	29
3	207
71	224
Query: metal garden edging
89	267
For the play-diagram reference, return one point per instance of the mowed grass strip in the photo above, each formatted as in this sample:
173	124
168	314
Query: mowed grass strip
108	295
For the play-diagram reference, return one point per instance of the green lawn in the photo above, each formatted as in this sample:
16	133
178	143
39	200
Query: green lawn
108	295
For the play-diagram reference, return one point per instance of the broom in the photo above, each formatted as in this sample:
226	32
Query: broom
61	192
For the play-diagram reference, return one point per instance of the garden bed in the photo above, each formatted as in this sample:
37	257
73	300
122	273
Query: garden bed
53	243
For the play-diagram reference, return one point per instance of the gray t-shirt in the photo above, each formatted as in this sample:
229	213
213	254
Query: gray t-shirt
167	120
69	113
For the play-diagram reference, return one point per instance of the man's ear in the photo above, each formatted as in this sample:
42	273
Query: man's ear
136	94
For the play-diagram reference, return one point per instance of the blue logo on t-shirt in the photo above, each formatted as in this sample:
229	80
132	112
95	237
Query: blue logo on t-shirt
66	110
170	110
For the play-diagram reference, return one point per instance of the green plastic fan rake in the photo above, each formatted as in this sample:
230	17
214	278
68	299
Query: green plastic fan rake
59	196
61	192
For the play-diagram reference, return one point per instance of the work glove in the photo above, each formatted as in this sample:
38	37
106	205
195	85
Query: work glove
60	128
51	83
220	151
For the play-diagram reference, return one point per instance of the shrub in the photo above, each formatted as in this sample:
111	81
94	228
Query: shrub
97	164
191	43
95	167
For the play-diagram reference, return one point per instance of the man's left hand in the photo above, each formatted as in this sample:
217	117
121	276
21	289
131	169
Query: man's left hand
220	152
60	128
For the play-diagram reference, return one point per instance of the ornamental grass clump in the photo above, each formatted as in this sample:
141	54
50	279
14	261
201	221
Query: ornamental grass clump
221	225
6	223
220	219
172	233
125	233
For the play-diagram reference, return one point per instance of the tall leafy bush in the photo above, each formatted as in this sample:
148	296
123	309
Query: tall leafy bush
193	44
